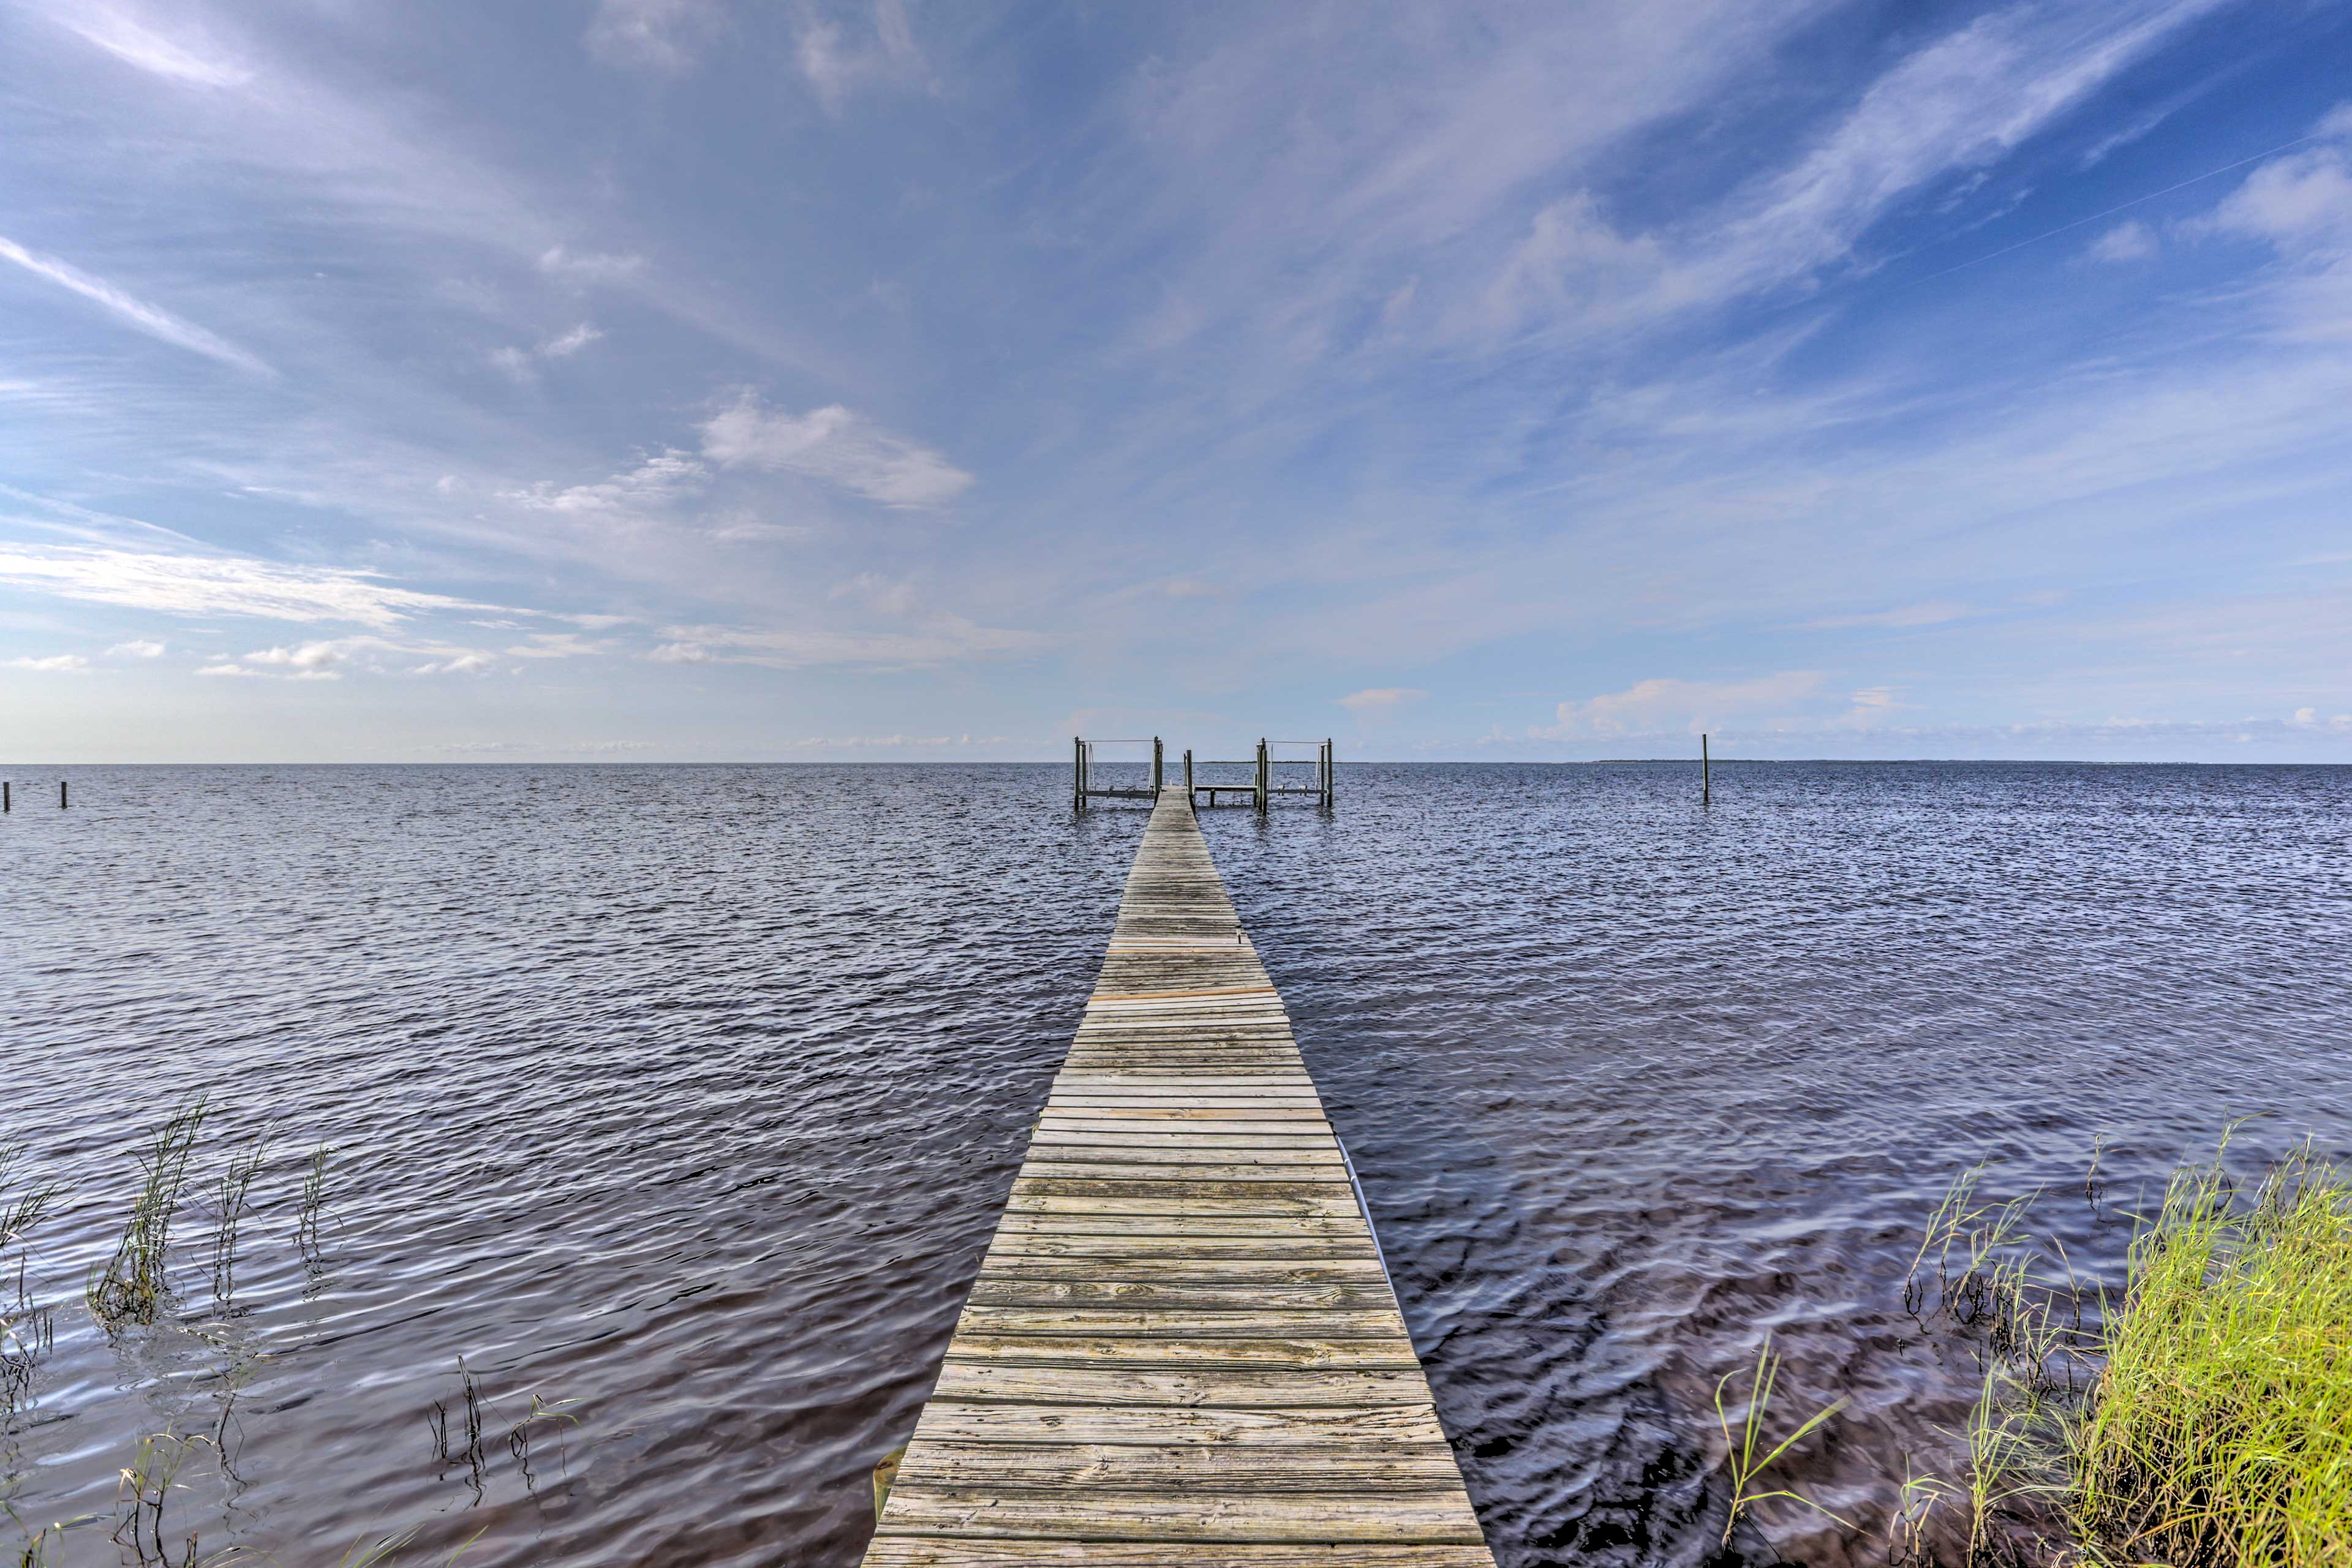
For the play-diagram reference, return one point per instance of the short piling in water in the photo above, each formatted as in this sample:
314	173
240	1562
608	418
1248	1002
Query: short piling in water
1706	774
6	804
61	795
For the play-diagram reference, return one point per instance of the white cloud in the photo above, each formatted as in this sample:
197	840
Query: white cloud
138	647
932	641
137	45
2131	241
2295	203
556	644
214	586
588	266
152	319
654	34
227	669
53	664
1381	699
303	656
459	664
835	67
2306	718
1661	704
656	483
522	364
835	447
1960	103
566	344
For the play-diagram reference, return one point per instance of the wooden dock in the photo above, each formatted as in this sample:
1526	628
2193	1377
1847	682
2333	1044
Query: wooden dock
1182	1347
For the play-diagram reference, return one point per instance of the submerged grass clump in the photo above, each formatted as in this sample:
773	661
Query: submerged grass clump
2220	1430
132	1286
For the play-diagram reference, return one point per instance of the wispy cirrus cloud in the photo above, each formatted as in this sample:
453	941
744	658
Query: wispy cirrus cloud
134	43
931	641
215	586
835	447
152	320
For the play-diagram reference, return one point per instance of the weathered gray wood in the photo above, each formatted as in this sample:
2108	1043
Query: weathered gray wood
1181	1346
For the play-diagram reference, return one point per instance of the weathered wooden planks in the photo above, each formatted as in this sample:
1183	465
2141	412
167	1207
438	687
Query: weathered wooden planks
1181	1347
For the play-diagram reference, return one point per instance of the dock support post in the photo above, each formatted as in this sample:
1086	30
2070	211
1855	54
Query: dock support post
1263	776
61	795
1329	771
1158	770
1706	774
5	804
1077	773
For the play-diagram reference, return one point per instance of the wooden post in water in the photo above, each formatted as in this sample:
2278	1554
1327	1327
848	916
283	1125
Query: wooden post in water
1077	773
5	804
1706	774
1264	776
61	795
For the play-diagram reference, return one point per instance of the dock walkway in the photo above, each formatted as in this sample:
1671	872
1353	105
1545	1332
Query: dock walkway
1181	1347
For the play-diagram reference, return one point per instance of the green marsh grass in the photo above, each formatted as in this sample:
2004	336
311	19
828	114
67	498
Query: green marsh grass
2220	1430
132	1286
236	1183
1746	1453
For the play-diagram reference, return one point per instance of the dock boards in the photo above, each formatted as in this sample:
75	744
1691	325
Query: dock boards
1182	1348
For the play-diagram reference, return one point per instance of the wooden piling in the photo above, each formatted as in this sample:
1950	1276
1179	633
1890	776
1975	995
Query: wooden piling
6	804
1182	1346
61	795
1706	774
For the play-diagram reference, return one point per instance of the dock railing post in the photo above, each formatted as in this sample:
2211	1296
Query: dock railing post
1188	775
1706	774
1158	772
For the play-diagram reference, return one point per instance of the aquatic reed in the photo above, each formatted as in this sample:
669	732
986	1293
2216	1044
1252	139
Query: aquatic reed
314	1197
2220	1430
27	1330
235	1183
1741	1452
132	1286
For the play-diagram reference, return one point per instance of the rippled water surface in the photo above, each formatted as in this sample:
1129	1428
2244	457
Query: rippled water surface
682	1101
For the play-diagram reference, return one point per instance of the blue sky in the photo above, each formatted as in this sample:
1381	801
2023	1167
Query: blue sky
679	379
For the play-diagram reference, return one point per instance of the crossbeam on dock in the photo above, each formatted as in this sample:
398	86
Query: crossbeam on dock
1182	1346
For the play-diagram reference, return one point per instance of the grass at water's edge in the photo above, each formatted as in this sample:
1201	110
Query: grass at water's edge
2220	1427
2202	1420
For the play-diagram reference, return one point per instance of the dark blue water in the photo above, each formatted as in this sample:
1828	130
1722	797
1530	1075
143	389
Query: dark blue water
683	1099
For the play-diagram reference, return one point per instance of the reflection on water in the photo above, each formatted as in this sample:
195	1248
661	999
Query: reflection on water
682	1101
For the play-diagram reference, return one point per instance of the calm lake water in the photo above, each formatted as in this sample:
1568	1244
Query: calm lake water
683	1101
